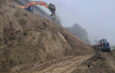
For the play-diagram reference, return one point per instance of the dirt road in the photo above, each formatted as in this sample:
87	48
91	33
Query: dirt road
66	66
71	65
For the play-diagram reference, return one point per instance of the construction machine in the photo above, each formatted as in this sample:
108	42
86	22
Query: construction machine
50	6
103	46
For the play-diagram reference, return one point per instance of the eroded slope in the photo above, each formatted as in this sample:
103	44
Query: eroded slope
28	38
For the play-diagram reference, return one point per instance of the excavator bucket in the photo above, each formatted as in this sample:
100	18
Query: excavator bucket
52	8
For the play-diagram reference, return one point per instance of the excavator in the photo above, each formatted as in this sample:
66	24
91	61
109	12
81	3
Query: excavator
50	6
103	46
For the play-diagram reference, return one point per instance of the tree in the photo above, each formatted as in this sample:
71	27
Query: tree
79	32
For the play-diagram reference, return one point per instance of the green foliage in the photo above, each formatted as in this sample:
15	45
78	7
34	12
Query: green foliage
79	32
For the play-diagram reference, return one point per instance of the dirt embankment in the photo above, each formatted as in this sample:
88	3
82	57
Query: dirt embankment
27	38
33	44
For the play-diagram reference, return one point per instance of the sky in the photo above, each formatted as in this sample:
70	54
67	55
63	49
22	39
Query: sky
96	16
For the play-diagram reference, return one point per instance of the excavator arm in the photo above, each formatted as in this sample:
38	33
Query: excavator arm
38	3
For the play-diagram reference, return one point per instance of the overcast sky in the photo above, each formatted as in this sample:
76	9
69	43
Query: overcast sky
96	16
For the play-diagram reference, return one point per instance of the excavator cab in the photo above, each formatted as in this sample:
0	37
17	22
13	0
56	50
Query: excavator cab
104	45
29	8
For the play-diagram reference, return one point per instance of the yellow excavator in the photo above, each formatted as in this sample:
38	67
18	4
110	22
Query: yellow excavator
50	6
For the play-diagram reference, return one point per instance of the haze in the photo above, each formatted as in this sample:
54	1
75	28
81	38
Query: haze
96	16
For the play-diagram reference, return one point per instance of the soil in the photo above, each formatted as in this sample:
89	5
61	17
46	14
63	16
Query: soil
33	44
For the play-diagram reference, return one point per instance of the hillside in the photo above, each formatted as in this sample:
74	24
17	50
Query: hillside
27	39
32	44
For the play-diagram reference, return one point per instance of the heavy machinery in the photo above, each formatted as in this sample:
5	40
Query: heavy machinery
28	6
103	46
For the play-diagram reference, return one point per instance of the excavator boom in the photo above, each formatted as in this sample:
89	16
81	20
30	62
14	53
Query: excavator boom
36	3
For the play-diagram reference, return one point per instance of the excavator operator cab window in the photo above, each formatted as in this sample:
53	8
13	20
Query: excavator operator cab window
30	8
